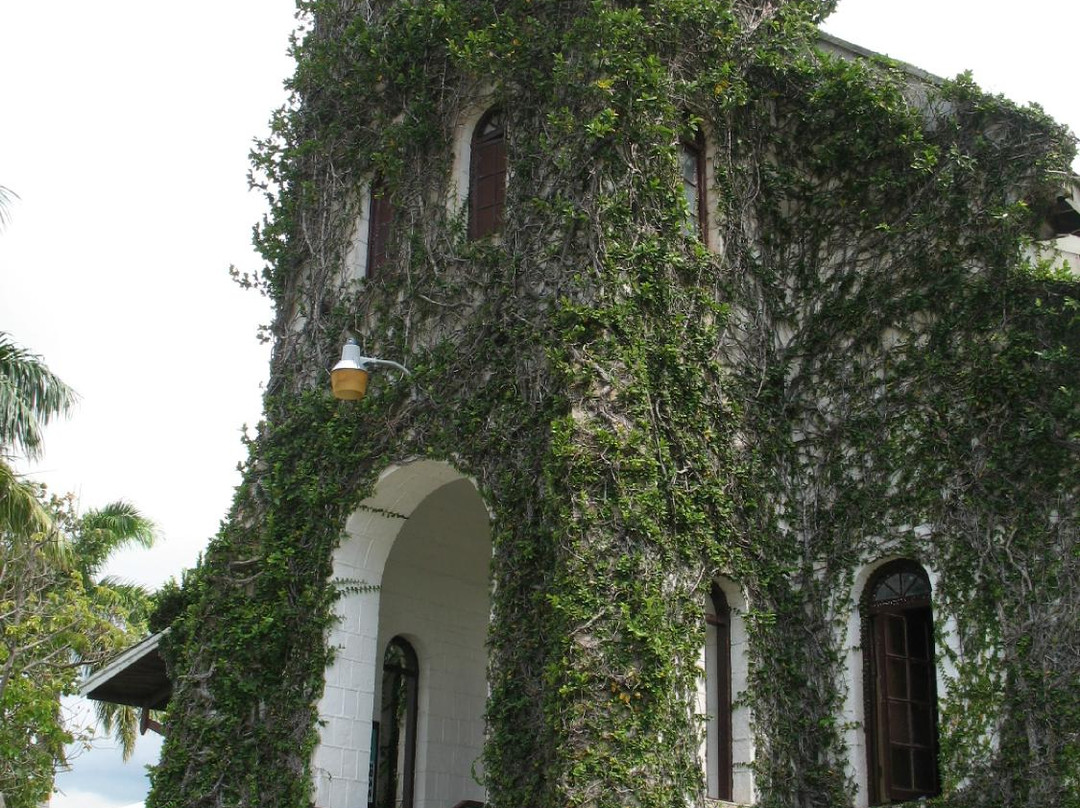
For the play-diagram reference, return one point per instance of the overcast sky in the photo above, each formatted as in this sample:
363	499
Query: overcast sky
126	131
126	134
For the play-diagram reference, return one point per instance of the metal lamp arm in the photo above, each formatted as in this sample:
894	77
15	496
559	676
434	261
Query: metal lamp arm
370	360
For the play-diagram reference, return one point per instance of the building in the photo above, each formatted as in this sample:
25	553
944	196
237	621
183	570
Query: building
740	427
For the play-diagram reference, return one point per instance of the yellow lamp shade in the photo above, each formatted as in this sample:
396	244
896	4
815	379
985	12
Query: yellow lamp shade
348	383
349	378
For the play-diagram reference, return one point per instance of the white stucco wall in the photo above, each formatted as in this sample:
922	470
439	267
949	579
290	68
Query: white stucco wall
1064	250
356	254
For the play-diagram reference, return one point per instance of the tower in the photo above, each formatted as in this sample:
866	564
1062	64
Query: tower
694	302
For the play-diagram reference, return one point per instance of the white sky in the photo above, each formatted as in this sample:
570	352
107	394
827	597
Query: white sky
126	133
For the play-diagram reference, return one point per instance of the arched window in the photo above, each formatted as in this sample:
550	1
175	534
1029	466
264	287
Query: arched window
719	682
487	176
396	760
380	223
901	684
692	166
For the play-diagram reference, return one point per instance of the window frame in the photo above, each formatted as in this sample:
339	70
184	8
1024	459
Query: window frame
698	210
720	682
486	212
878	659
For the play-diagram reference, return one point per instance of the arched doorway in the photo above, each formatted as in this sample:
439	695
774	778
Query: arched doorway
394	761
421	545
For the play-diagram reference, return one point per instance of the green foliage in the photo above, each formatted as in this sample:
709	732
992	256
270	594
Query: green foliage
860	364
57	618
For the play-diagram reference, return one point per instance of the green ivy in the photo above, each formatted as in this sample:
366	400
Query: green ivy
864	364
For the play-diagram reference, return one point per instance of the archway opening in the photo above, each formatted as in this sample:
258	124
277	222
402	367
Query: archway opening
434	595
406	691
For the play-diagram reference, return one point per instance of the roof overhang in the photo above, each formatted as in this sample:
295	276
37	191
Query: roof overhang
135	677
1065	215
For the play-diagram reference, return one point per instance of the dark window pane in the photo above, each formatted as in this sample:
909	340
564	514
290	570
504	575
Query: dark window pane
921	688
899	723
924	771
896	635
897	676
916	585
918	634
889	588
922	725
901	767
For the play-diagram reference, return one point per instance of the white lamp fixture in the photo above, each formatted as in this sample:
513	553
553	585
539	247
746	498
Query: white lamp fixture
349	378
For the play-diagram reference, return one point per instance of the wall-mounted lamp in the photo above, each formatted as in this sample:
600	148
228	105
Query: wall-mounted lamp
349	378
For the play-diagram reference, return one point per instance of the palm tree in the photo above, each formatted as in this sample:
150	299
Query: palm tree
6	195
95	536
30	396
21	511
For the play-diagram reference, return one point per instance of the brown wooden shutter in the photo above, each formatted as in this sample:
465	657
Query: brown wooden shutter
721	623
487	177
380	224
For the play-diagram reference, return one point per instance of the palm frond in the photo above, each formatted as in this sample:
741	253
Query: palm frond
30	395
131	599
22	514
6	195
122	722
103	531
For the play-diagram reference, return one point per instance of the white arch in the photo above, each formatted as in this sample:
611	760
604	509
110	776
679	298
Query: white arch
367	620
463	134
356	250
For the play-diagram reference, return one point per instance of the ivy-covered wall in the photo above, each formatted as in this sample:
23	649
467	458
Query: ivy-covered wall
862	364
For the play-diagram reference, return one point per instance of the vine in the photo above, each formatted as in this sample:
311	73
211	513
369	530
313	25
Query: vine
864	364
